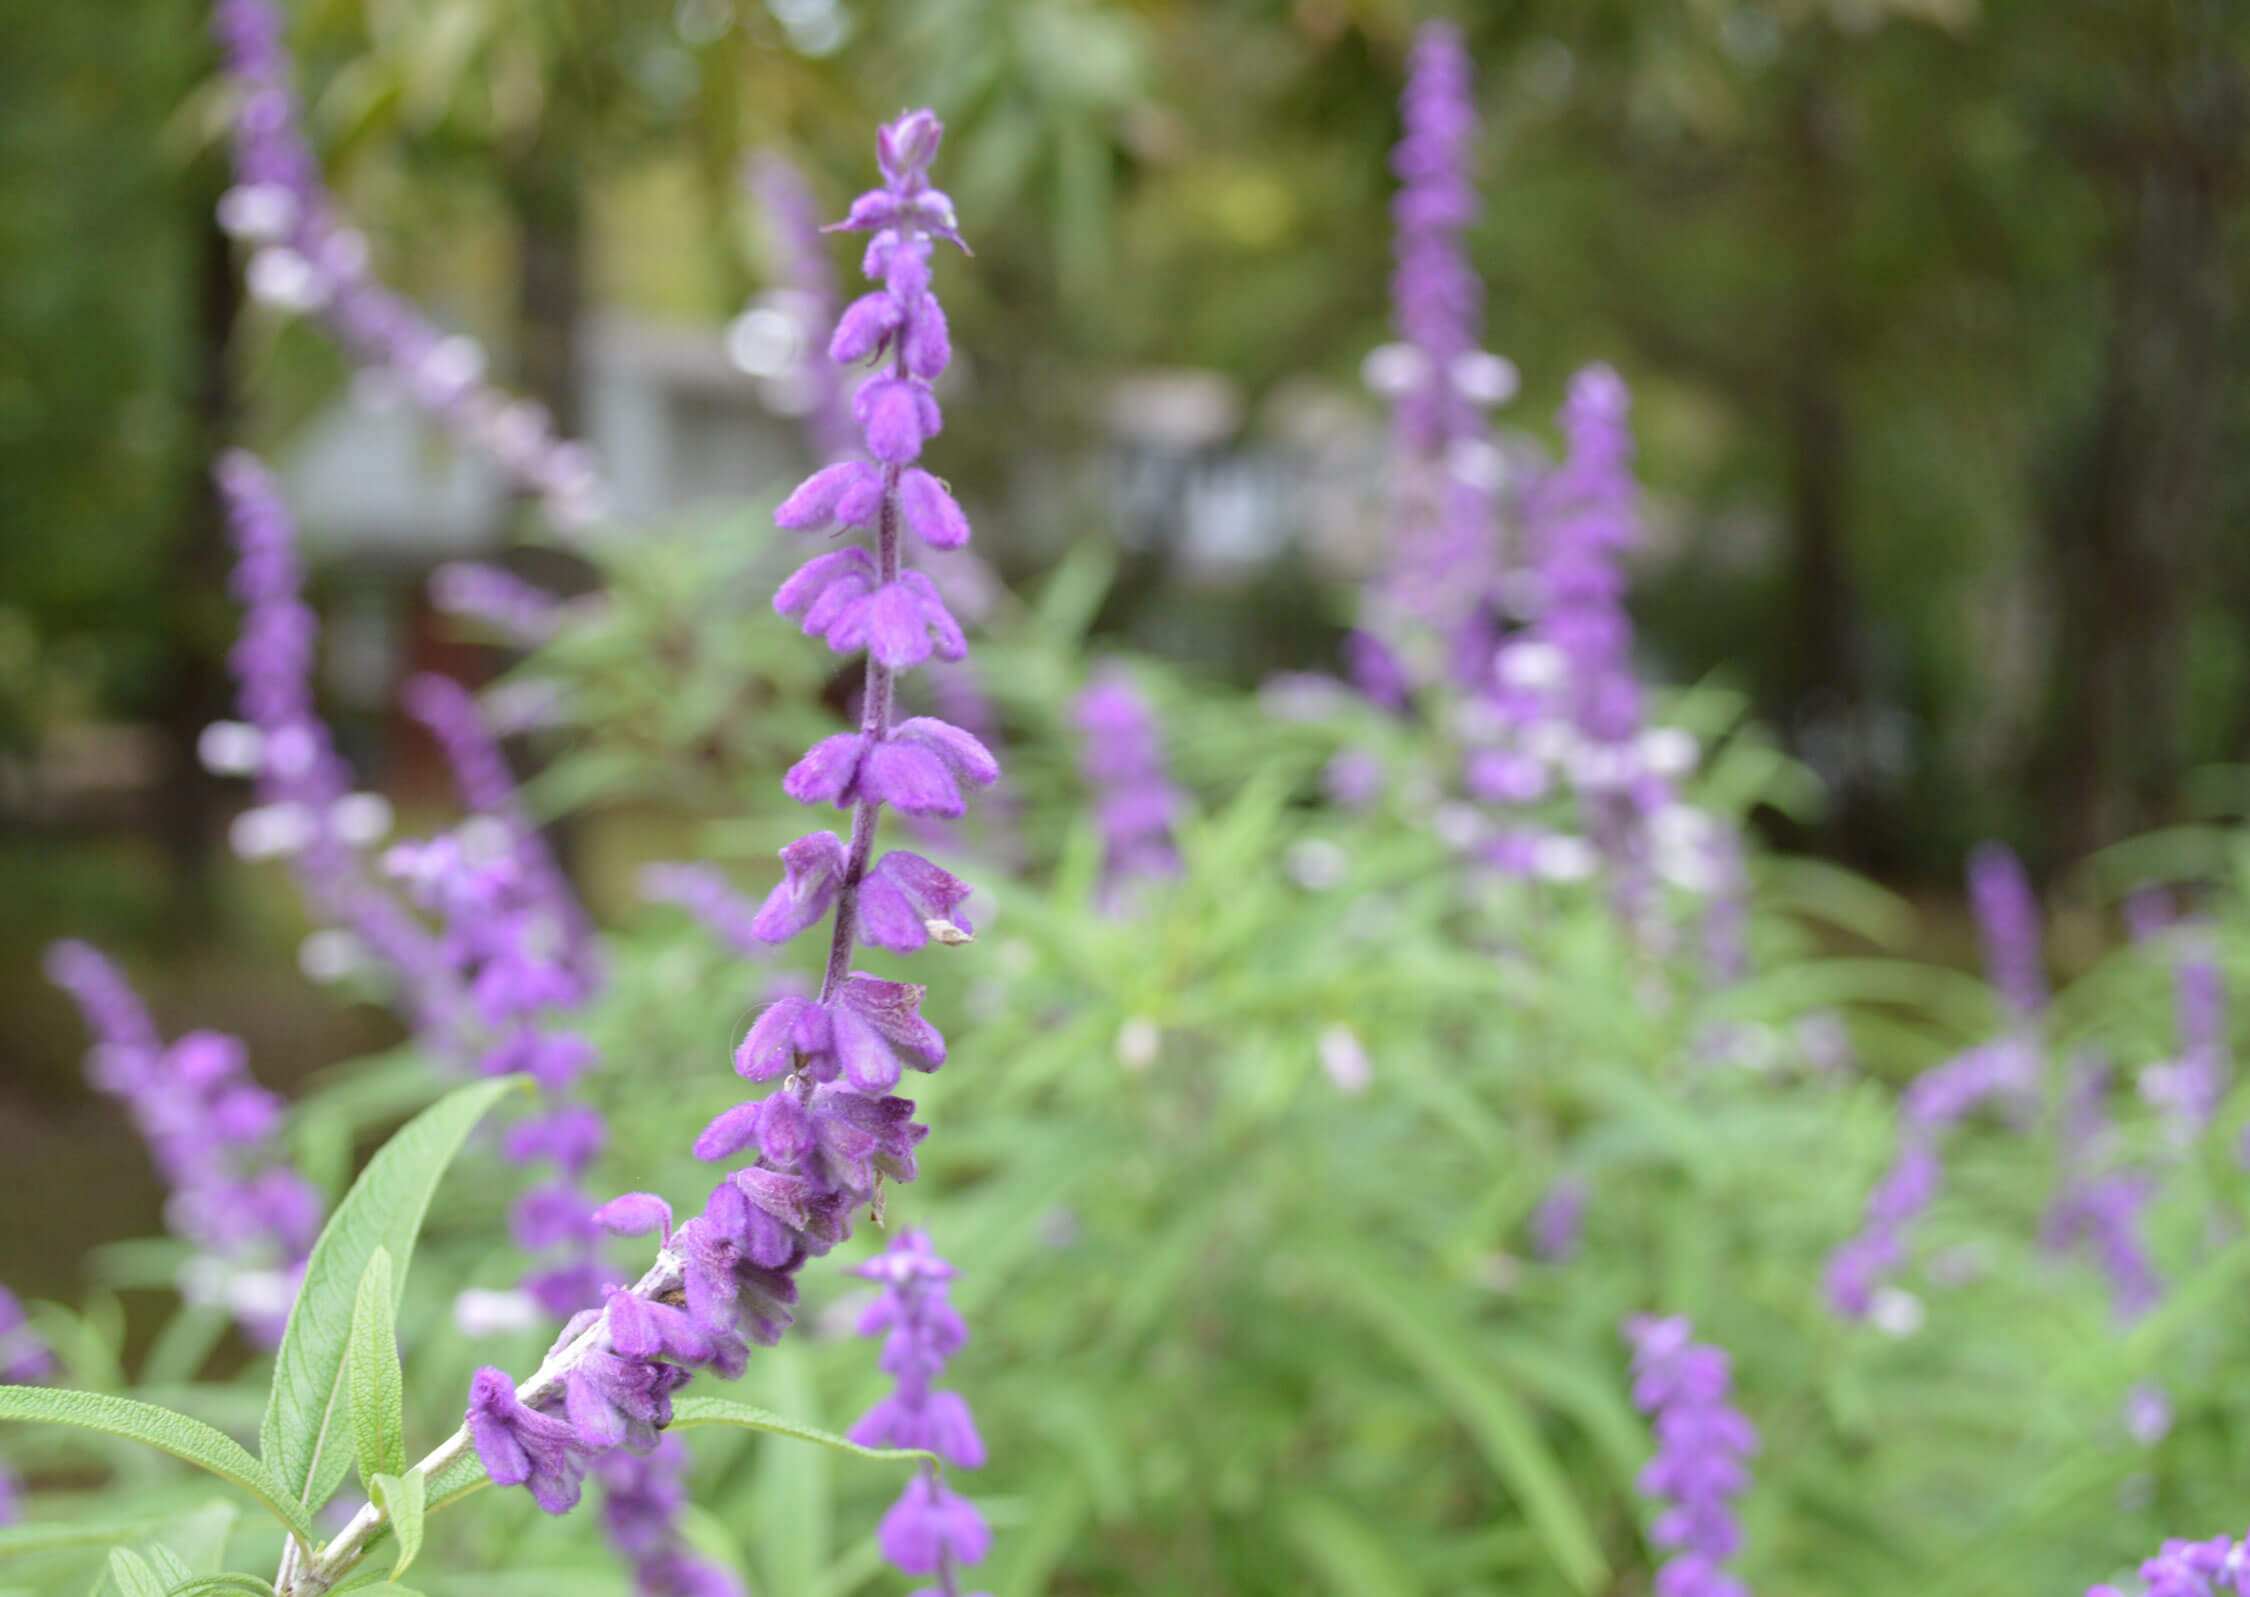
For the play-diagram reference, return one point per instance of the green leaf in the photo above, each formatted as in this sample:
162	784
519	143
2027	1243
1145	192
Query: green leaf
160	1428
130	1574
228	1585
301	1435
688	1412
378	1391
402	1497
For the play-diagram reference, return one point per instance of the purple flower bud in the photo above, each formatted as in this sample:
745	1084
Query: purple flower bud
635	1214
930	511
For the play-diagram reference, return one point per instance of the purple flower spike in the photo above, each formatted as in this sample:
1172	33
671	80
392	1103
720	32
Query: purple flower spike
212	1135
929	1530
1134	801
1699	1466
2007	915
1439	380
832	1132
305	258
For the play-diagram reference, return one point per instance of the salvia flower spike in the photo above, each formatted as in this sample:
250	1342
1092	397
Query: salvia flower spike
1439	380
1702	1445
214	1136
825	1141
930	1530
1135	803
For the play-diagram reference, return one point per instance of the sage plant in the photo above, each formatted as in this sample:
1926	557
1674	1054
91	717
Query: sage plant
1700	1466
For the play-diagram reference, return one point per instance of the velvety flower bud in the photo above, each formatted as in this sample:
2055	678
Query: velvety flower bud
930	511
898	415
790	1029
635	1214
847	494
865	327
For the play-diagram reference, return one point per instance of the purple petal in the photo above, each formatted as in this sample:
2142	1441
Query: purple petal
964	755
897	633
927	348
912	780
819	576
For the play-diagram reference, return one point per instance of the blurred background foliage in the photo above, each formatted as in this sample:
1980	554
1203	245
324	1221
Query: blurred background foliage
1934	308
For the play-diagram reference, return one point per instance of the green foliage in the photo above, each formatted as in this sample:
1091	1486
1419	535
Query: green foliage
302	1434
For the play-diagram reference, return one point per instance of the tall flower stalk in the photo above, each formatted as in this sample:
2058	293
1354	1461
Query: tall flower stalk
725	1280
1444	563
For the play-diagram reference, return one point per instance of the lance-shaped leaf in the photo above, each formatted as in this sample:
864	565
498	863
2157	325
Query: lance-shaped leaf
226	1585
378	1391
304	1434
160	1428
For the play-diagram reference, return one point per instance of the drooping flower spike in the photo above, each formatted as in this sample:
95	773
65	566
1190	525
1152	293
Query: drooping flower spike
214	1136
306	258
